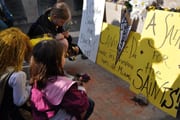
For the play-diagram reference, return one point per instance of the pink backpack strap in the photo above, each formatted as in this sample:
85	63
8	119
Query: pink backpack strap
41	109
37	98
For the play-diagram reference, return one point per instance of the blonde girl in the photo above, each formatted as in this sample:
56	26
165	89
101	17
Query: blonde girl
14	90
52	23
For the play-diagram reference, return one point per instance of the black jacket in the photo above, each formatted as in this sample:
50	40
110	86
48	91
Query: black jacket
44	26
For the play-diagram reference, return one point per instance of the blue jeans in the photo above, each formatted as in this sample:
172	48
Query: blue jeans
3	25
7	13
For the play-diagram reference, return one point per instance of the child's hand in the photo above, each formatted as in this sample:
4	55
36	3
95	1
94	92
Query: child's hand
82	78
59	36
66	34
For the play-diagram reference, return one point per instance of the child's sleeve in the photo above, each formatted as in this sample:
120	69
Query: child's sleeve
21	88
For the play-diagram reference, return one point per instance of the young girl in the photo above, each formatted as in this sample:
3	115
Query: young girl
53	95
51	23
14	87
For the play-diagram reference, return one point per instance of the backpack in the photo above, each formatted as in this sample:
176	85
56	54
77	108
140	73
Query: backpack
8	110
42	109
3	80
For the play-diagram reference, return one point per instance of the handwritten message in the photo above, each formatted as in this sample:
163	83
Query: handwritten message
106	56
91	24
157	76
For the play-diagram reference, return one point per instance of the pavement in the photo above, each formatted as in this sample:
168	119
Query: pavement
111	94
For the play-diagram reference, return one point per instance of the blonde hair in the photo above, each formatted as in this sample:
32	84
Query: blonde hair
14	46
61	11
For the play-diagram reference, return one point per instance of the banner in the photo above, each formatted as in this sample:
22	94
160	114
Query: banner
113	13
156	73
125	28
91	23
150	63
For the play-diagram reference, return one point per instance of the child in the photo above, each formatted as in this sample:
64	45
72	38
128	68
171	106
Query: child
14	87
51	23
53	95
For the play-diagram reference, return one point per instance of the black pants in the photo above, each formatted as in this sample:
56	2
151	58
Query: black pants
90	109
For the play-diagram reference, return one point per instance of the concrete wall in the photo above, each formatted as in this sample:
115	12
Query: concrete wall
31	9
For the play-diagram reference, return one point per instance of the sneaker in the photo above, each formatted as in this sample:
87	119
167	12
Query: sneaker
72	58
84	57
